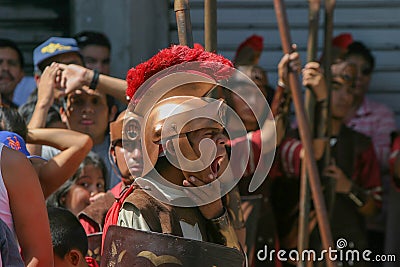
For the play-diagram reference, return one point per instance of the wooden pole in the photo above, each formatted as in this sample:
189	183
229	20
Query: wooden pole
183	23
329	7
305	198
330	183
210	25
305	134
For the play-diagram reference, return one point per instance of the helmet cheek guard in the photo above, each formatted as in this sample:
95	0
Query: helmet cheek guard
125	128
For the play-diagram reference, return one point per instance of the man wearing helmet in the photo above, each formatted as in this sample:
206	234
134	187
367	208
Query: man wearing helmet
177	157
183	145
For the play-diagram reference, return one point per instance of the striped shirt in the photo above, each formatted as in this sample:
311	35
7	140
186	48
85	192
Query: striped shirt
376	121
365	173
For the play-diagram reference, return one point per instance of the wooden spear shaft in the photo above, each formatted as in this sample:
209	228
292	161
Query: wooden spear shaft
330	183
210	25
305	134
305	199
183	23
329	7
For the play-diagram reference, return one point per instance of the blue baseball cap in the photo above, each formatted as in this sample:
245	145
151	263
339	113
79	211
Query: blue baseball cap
16	142
52	47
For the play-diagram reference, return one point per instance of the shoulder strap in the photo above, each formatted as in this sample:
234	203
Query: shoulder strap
112	213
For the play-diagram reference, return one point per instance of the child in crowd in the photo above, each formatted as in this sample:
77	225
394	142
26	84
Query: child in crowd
70	243
83	187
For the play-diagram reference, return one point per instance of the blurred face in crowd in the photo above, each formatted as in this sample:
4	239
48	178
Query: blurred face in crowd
364	71
259	77
89	183
343	88
247	112
87	112
97	57
11	71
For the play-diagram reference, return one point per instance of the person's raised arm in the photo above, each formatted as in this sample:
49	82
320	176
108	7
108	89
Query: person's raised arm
47	84
289	62
75	77
28	208
314	79
74	147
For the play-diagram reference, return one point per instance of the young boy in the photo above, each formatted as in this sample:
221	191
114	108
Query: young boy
70	243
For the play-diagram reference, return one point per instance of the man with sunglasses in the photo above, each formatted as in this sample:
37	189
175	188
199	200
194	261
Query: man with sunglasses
354	167
369	117
377	121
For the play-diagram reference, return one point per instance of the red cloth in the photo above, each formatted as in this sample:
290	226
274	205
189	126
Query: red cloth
91	262
116	190
89	225
252	141
392	159
366	171
393	153
342	40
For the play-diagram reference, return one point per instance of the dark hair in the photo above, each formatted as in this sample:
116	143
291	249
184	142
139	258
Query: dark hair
360	49
26	111
11	44
67	233
85	38
12	121
55	199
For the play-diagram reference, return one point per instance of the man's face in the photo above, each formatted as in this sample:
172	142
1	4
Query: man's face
245	111
343	88
132	167
216	134
364	70
87	112
11	71
97	57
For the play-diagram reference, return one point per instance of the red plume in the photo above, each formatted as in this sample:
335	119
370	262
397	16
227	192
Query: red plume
252	46
174	55
342	40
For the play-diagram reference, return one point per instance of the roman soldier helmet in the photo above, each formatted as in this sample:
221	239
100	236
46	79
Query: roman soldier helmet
126	127
174	117
167	89
131	131
249	51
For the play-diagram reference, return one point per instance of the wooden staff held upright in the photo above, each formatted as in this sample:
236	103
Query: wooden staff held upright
330	183
184	25
305	201
305	134
210	25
